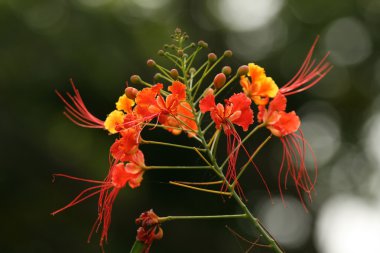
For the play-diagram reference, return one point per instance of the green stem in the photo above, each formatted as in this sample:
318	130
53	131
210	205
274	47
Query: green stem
240	144
202	217
267	236
177	168
250	160
170	145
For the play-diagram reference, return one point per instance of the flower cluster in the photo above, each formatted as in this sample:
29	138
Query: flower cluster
182	107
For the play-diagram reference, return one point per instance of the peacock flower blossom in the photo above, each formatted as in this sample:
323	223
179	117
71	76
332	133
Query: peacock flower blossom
77	112
236	111
173	111
127	145
279	122
258	86
149	229
118	177
285	126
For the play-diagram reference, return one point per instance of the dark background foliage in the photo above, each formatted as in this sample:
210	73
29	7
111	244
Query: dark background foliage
101	43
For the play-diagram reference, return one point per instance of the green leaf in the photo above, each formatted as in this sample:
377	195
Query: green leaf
138	247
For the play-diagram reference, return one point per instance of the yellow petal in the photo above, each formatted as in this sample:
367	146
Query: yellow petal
125	104
113	119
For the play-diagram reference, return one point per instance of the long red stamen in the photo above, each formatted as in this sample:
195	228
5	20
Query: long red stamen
308	75
77	111
293	161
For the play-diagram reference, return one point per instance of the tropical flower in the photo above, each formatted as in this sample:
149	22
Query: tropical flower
149	229
258	86
236	110
285	126
118	177
173	111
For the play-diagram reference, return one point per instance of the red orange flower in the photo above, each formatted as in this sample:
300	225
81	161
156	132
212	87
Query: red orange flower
149	229
119	175
279	122
285	125
237	111
173	111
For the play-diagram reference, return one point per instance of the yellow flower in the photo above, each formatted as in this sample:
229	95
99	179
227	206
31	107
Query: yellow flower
259	87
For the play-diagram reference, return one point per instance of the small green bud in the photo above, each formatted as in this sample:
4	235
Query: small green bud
203	44
243	70
192	70
212	57
219	80
180	53
151	63
174	73
161	52
227	53
226	70
135	79
157	76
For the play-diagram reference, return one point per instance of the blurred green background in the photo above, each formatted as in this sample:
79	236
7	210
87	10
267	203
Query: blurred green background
101	43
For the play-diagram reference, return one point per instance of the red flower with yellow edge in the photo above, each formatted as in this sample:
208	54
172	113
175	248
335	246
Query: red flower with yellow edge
172	111
279	122
236	110
257	85
285	126
119	175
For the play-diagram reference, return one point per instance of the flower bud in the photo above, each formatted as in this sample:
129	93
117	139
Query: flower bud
219	80
203	44
161	52
227	53
192	70
180	53
243	70
212	57
174	73
157	76
135	79
151	63
207	92
226	70
131	92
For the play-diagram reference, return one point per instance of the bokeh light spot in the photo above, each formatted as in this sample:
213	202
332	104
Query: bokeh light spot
347	224
245	15
349	41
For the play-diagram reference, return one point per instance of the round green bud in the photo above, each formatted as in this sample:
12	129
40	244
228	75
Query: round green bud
135	79
243	70
212	57
151	63
174	73
226	70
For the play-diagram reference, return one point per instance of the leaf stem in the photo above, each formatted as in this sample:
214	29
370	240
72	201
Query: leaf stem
199	189
202	217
